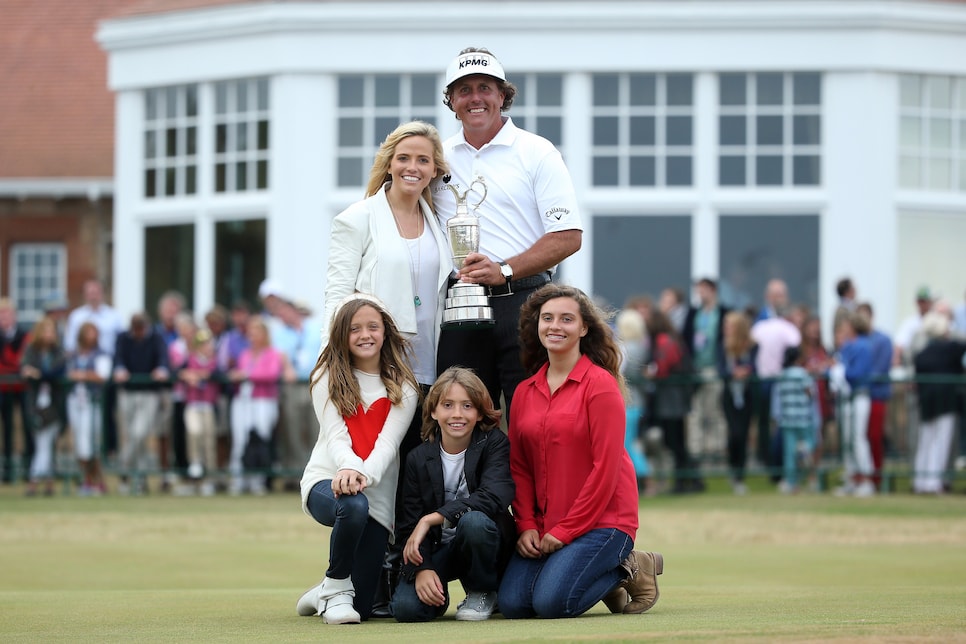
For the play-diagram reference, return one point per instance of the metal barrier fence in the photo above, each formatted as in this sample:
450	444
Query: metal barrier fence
707	447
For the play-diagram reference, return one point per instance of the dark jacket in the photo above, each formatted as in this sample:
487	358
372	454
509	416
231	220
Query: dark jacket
937	367
52	365
491	488
141	356
687	333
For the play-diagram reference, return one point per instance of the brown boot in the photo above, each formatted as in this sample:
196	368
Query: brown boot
617	599
641	583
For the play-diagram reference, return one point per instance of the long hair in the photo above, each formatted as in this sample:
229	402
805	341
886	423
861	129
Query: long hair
387	150
739	341
37	341
475	389
509	89
336	359
598	344
83	344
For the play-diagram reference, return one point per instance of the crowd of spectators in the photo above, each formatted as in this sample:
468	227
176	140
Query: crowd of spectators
717	385
219	401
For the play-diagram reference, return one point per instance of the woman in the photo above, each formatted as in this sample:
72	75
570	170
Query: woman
736	366
576	495
390	246
672	398
43	366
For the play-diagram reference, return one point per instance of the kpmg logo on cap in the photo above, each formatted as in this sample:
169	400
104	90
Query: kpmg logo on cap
473	62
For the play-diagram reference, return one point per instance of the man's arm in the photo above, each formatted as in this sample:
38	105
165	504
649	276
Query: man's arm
548	251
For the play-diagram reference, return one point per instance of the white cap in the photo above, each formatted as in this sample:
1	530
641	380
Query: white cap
474	62
270	287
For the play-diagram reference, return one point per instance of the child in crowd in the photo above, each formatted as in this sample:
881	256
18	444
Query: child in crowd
457	491
365	394
202	389
632	338
794	408
88	369
43	366
851	378
254	410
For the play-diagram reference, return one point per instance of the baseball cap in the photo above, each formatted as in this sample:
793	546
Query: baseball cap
923	293
474	62
270	287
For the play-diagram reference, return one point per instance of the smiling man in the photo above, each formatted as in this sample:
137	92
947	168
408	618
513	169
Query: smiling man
529	221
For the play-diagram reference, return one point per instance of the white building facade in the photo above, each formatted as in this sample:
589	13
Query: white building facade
738	140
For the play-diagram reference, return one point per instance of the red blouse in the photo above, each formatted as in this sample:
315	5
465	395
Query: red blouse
567	455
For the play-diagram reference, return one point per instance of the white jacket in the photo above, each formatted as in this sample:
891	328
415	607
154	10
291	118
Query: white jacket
367	255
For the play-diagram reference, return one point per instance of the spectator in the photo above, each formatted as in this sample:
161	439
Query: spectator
794	408
298	336
670	371
109	325
254	410
57	308
88	368
736	367
13	342
200	376
631	337
703	339
847	303
172	433
880	391
140	371
229	351
903	339
672	304
817	362
776	302
772	335
852	381
937	367
42	367
959	320
170	305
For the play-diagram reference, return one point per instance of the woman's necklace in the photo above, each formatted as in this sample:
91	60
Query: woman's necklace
413	266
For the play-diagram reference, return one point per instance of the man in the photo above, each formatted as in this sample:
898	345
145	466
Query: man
13	342
672	304
298	336
776	300
703	338
529	221
880	390
772	335
170	304
845	290
903	339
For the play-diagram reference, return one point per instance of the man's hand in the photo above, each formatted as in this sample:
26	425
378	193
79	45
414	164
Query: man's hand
480	269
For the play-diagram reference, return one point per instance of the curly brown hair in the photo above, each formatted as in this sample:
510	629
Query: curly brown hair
598	344
509	89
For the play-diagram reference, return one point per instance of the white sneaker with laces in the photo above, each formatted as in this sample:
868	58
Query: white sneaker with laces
477	606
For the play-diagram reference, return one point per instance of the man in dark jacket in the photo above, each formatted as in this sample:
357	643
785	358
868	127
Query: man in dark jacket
13	341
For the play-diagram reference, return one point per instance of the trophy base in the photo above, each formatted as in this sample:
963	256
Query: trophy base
467	307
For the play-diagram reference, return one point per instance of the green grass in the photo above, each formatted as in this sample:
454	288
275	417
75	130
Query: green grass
762	567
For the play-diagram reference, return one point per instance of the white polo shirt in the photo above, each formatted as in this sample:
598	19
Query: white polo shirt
529	190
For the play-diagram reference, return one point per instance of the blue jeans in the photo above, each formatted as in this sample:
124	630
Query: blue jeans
568	582
357	545
469	556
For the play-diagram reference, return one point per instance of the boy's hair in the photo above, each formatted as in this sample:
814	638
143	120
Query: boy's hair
791	357
336	359
475	389
598	344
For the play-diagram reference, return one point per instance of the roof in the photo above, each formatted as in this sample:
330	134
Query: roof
56	112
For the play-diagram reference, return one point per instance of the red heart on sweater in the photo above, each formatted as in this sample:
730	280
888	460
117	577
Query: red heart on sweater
365	425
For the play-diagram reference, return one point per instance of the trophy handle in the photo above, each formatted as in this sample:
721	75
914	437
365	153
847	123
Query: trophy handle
478	180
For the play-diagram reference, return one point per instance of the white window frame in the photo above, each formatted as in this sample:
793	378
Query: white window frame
29	300
157	122
241	153
920	155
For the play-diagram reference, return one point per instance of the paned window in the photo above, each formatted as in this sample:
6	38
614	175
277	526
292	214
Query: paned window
769	129
370	107
171	141
932	132
241	135
643	130
538	105
38	272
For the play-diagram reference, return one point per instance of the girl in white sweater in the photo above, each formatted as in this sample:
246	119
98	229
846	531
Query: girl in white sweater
365	394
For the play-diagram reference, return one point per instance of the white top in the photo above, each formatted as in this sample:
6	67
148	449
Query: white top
423	252
108	322
333	449
454	484
529	190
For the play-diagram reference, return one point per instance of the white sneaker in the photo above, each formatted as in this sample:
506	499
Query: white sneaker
865	489
477	606
195	471
739	488
332	599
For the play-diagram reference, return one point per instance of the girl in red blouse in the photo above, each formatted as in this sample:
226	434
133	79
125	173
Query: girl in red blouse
576	493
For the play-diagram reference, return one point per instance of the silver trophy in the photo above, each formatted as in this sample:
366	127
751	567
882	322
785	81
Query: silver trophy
466	305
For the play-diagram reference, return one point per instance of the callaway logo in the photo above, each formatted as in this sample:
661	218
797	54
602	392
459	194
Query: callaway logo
473	62
557	213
